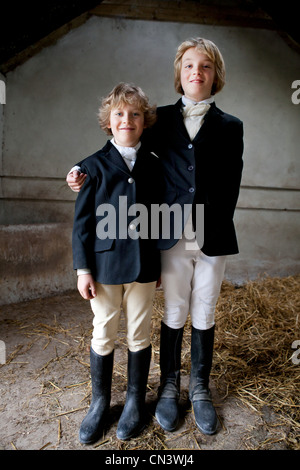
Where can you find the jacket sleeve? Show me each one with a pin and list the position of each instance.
(229, 174)
(235, 165)
(83, 235)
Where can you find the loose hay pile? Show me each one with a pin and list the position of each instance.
(256, 325)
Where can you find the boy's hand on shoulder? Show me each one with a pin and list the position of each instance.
(75, 180)
(86, 286)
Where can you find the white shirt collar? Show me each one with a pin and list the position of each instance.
(126, 151)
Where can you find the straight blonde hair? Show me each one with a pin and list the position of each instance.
(208, 48)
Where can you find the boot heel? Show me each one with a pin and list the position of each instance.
(204, 412)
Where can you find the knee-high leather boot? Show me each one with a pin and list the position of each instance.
(199, 393)
(93, 424)
(133, 417)
(167, 413)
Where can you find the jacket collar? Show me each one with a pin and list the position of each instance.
(114, 157)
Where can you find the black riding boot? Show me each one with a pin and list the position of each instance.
(133, 417)
(167, 413)
(93, 424)
(199, 393)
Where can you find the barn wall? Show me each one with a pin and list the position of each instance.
(50, 123)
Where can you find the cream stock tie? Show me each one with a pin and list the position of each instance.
(193, 116)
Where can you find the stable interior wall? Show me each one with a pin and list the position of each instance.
(50, 123)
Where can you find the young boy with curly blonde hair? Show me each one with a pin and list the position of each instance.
(117, 267)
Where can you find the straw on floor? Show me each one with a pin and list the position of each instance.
(257, 327)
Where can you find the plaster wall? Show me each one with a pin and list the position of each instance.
(50, 123)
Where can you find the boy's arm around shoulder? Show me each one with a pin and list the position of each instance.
(76, 177)
(75, 180)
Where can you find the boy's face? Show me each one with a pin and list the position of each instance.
(197, 75)
(126, 124)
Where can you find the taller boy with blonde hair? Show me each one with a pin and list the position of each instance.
(201, 149)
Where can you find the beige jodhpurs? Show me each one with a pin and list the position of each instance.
(137, 302)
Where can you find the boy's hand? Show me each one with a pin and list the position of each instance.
(75, 180)
(86, 286)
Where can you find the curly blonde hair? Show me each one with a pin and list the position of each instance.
(121, 94)
(207, 47)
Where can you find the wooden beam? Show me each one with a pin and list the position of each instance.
(30, 51)
(185, 11)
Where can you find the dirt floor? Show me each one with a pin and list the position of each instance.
(45, 389)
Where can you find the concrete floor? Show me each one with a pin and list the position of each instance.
(45, 389)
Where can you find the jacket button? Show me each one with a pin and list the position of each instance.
(130, 180)
(190, 146)
(191, 190)
(190, 168)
